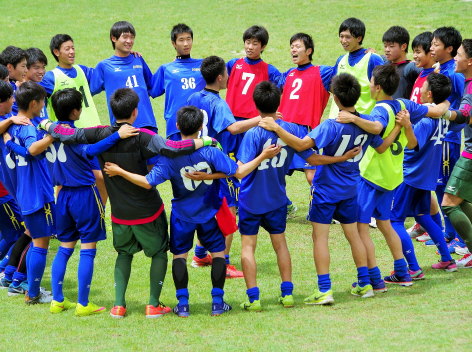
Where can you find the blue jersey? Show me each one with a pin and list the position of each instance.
(217, 117)
(14, 108)
(179, 80)
(263, 190)
(379, 113)
(194, 201)
(49, 81)
(6, 172)
(339, 181)
(33, 186)
(421, 165)
(458, 82)
(121, 72)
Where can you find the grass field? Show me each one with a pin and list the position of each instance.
(433, 315)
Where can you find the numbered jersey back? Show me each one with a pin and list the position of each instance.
(304, 97)
(241, 84)
(415, 92)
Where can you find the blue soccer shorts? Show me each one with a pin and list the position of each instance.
(373, 203)
(229, 188)
(410, 202)
(42, 223)
(323, 210)
(274, 222)
(182, 234)
(11, 222)
(80, 215)
(450, 154)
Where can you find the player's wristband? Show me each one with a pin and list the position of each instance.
(43, 123)
(447, 115)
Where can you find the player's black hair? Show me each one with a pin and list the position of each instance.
(12, 55)
(387, 77)
(123, 102)
(65, 101)
(346, 87)
(440, 87)
(211, 68)
(6, 91)
(119, 28)
(266, 96)
(423, 41)
(57, 41)
(179, 29)
(397, 34)
(257, 32)
(35, 55)
(355, 26)
(467, 44)
(307, 41)
(27, 92)
(449, 36)
(4, 73)
(189, 119)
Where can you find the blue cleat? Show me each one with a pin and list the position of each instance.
(4, 283)
(218, 309)
(182, 311)
(403, 281)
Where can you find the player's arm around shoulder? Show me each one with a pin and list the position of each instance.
(113, 170)
(299, 144)
(371, 126)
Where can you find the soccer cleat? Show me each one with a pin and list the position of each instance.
(89, 309)
(4, 283)
(431, 242)
(57, 307)
(320, 298)
(423, 238)
(373, 223)
(182, 310)
(15, 290)
(415, 231)
(254, 306)
(218, 309)
(39, 298)
(378, 287)
(197, 262)
(449, 266)
(2, 275)
(462, 251)
(455, 243)
(402, 281)
(465, 262)
(416, 275)
(287, 301)
(291, 209)
(364, 292)
(232, 272)
(157, 312)
(118, 312)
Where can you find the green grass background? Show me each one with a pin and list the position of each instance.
(434, 314)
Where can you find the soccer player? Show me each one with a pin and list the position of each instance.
(138, 217)
(220, 124)
(263, 199)
(358, 62)
(4, 74)
(15, 60)
(178, 79)
(446, 42)
(420, 167)
(457, 199)
(34, 191)
(334, 189)
(382, 173)
(195, 204)
(396, 41)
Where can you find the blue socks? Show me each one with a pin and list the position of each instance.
(85, 273)
(36, 266)
(363, 278)
(182, 296)
(18, 278)
(5, 260)
(9, 271)
(375, 275)
(400, 268)
(253, 294)
(200, 252)
(324, 283)
(287, 288)
(407, 245)
(436, 218)
(436, 235)
(217, 294)
(58, 271)
(227, 259)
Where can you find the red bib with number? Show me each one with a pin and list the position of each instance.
(241, 84)
(415, 92)
(304, 98)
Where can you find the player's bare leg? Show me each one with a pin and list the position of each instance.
(283, 256)
(248, 260)
(101, 185)
(358, 249)
(393, 240)
(320, 247)
(309, 174)
(363, 230)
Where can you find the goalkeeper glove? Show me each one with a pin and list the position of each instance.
(43, 123)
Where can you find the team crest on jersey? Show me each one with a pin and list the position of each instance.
(175, 71)
(239, 67)
(64, 83)
(291, 74)
(137, 66)
(196, 69)
(117, 69)
(342, 66)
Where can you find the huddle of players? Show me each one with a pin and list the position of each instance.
(362, 87)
